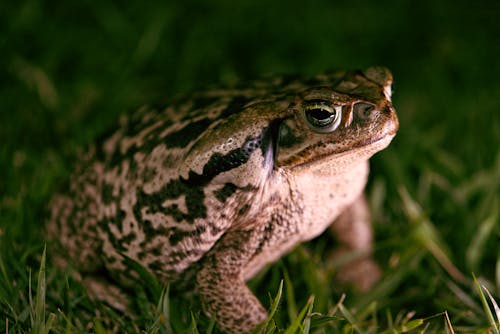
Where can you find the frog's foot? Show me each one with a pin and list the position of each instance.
(97, 287)
(230, 303)
(104, 291)
(353, 229)
(223, 291)
(354, 269)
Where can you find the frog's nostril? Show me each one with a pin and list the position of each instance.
(392, 123)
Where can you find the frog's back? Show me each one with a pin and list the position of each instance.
(127, 195)
(132, 195)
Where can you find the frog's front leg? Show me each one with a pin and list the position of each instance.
(353, 230)
(222, 287)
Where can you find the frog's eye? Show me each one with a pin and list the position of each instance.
(321, 116)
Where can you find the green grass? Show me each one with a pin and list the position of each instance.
(67, 71)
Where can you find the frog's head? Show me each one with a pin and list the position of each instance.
(347, 117)
(337, 118)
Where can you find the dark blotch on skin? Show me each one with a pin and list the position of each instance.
(128, 238)
(104, 225)
(202, 102)
(187, 134)
(243, 209)
(118, 219)
(107, 193)
(138, 121)
(286, 137)
(219, 163)
(235, 106)
(156, 266)
(192, 188)
(287, 79)
(178, 235)
(174, 189)
(225, 192)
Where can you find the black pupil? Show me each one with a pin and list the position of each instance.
(320, 117)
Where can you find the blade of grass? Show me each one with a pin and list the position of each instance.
(272, 311)
(410, 325)
(69, 326)
(164, 310)
(476, 248)
(296, 324)
(5, 279)
(49, 323)
(99, 328)
(495, 306)
(392, 279)
(447, 324)
(290, 297)
(463, 296)
(307, 319)
(497, 272)
(349, 317)
(193, 329)
(30, 299)
(334, 309)
(150, 281)
(390, 321)
(39, 325)
(39, 315)
(211, 326)
(486, 307)
(403, 323)
(428, 236)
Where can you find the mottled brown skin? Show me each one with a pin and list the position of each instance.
(210, 189)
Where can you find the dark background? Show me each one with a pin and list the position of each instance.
(69, 69)
(70, 65)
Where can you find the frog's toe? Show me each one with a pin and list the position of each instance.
(103, 291)
(362, 274)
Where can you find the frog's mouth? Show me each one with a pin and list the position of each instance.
(359, 152)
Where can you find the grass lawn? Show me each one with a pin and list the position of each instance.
(68, 70)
